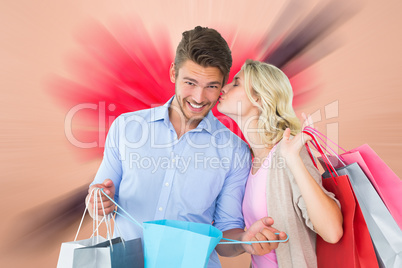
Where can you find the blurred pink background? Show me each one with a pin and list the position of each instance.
(353, 93)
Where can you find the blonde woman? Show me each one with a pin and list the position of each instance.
(283, 182)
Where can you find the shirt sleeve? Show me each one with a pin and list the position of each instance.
(228, 213)
(111, 166)
(315, 173)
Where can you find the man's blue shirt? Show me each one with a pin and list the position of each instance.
(200, 177)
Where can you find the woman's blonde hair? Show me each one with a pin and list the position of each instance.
(274, 96)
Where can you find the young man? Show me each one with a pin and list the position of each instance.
(177, 161)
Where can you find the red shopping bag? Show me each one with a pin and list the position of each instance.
(355, 248)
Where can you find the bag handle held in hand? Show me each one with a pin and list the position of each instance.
(95, 220)
(319, 148)
(313, 130)
(318, 134)
(321, 136)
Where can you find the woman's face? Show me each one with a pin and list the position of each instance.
(234, 101)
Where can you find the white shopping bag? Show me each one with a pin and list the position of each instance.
(66, 255)
(67, 250)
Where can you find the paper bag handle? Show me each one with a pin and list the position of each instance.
(319, 148)
(231, 241)
(95, 222)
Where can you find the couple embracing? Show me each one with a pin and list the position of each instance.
(251, 199)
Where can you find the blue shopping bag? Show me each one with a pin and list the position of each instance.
(170, 243)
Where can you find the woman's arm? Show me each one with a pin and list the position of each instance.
(323, 211)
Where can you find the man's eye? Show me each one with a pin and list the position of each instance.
(189, 83)
(213, 86)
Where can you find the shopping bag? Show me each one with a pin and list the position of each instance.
(170, 243)
(66, 254)
(67, 250)
(355, 248)
(384, 180)
(385, 233)
(387, 184)
(173, 243)
(98, 251)
(115, 253)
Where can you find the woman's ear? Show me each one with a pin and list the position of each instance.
(255, 96)
(172, 73)
(257, 100)
(257, 104)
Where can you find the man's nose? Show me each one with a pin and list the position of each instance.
(199, 95)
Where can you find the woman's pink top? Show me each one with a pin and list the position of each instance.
(255, 208)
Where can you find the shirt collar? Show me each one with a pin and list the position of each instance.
(161, 112)
(208, 123)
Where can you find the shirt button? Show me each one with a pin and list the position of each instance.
(173, 160)
(160, 209)
(167, 184)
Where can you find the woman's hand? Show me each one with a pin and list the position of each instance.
(290, 148)
(262, 230)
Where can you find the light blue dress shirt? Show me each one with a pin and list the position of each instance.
(200, 177)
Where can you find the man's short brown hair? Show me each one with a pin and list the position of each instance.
(205, 47)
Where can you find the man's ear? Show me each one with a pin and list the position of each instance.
(172, 73)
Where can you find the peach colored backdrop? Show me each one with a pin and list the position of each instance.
(360, 84)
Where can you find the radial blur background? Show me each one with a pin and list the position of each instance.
(343, 58)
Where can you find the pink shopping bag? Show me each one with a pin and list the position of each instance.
(384, 180)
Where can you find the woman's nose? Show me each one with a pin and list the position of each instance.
(225, 89)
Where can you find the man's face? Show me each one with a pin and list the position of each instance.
(197, 89)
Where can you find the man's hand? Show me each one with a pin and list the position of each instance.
(262, 231)
(110, 190)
